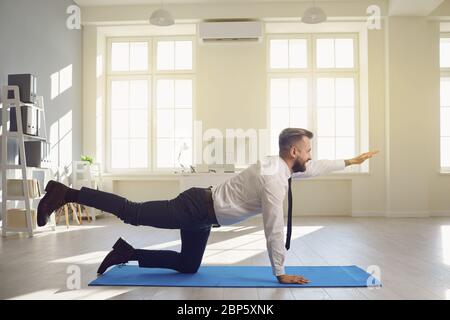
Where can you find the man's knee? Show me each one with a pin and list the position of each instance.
(189, 268)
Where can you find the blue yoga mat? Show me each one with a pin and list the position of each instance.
(235, 277)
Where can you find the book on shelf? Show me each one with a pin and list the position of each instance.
(17, 218)
(15, 188)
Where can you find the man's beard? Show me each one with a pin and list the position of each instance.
(298, 166)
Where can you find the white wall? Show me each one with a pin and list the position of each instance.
(403, 100)
(414, 117)
(34, 39)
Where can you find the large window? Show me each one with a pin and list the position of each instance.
(313, 83)
(445, 102)
(150, 103)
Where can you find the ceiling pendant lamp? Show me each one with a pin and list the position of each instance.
(314, 15)
(161, 17)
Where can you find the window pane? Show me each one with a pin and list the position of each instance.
(274, 148)
(445, 122)
(119, 124)
(139, 94)
(138, 153)
(299, 118)
(345, 148)
(183, 55)
(165, 94)
(138, 56)
(325, 122)
(445, 53)
(165, 123)
(325, 53)
(279, 93)
(183, 123)
(298, 54)
(298, 92)
(185, 147)
(445, 92)
(119, 153)
(183, 93)
(279, 119)
(165, 153)
(138, 123)
(279, 54)
(119, 94)
(325, 92)
(445, 152)
(345, 122)
(345, 92)
(344, 53)
(325, 148)
(165, 55)
(120, 56)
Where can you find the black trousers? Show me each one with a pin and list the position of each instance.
(187, 212)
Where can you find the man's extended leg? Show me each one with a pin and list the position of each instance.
(160, 214)
(187, 210)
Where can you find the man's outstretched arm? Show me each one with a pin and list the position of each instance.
(316, 168)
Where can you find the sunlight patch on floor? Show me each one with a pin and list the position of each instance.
(87, 258)
(82, 294)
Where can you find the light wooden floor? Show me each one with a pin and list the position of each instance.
(412, 254)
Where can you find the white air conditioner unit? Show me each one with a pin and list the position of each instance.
(230, 31)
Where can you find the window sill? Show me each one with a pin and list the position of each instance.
(175, 176)
(339, 176)
(160, 176)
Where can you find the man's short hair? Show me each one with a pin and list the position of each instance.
(289, 136)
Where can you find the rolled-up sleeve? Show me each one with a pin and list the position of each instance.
(319, 167)
(273, 196)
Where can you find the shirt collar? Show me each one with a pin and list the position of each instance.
(285, 168)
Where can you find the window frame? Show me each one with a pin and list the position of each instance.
(155, 70)
(444, 73)
(289, 75)
(150, 75)
(309, 58)
(312, 73)
(109, 42)
(447, 36)
(154, 118)
(108, 125)
(357, 112)
(343, 35)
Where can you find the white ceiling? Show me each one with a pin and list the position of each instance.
(137, 2)
(413, 7)
(396, 7)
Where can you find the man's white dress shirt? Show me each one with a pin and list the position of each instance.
(262, 188)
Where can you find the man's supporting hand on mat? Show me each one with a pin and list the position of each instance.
(286, 278)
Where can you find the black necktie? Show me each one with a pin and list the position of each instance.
(289, 224)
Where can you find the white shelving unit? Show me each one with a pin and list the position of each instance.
(5, 166)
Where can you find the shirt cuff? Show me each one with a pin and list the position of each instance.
(278, 271)
(339, 165)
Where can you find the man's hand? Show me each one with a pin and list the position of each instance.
(361, 158)
(285, 278)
